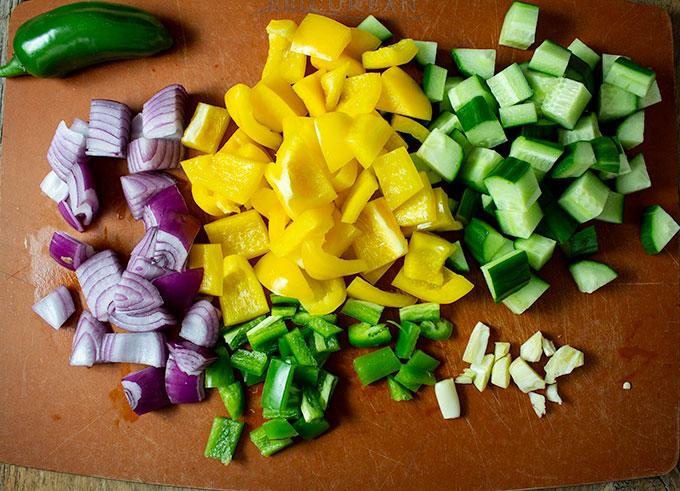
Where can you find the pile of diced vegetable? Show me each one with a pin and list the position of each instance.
(332, 179)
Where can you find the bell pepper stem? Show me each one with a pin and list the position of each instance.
(13, 69)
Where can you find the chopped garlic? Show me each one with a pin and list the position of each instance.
(447, 398)
(501, 348)
(524, 376)
(467, 377)
(627, 386)
(476, 346)
(538, 403)
(548, 347)
(562, 362)
(532, 348)
(500, 373)
(552, 395)
(482, 372)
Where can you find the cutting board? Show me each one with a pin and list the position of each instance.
(76, 419)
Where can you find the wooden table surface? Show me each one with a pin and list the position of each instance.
(18, 477)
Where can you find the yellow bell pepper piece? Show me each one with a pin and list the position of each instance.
(195, 167)
(360, 94)
(367, 137)
(267, 204)
(253, 152)
(270, 108)
(402, 95)
(311, 92)
(322, 265)
(402, 124)
(280, 59)
(331, 83)
(305, 128)
(237, 139)
(453, 288)
(328, 296)
(358, 196)
(242, 296)
(346, 176)
(361, 41)
(398, 177)
(208, 257)
(363, 290)
(206, 129)
(421, 208)
(331, 130)
(381, 240)
(425, 258)
(244, 234)
(444, 221)
(212, 203)
(237, 101)
(395, 142)
(321, 37)
(339, 238)
(373, 276)
(395, 54)
(233, 176)
(283, 89)
(354, 66)
(282, 276)
(311, 221)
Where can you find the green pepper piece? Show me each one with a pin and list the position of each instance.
(364, 335)
(319, 344)
(220, 373)
(266, 446)
(323, 327)
(251, 379)
(420, 312)
(277, 384)
(278, 429)
(284, 347)
(299, 348)
(305, 375)
(280, 299)
(362, 310)
(235, 336)
(397, 391)
(286, 413)
(422, 361)
(266, 331)
(303, 317)
(376, 365)
(439, 329)
(406, 341)
(284, 311)
(412, 378)
(234, 399)
(311, 429)
(326, 383)
(253, 362)
(224, 437)
(311, 404)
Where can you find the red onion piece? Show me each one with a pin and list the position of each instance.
(109, 128)
(56, 307)
(146, 348)
(168, 199)
(190, 358)
(80, 126)
(147, 244)
(137, 126)
(145, 390)
(68, 215)
(201, 324)
(98, 278)
(179, 289)
(54, 187)
(164, 113)
(181, 387)
(176, 234)
(87, 341)
(153, 320)
(135, 295)
(82, 196)
(139, 188)
(67, 148)
(69, 252)
(146, 268)
(147, 154)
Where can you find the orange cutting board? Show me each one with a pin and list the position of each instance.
(76, 420)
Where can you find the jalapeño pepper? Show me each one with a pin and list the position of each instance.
(81, 34)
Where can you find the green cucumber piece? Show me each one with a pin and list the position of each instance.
(482, 240)
(636, 180)
(607, 157)
(550, 58)
(565, 103)
(584, 52)
(471, 61)
(653, 96)
(613, 209)
(375, 27)
(479, 163)
(578, 157)
(525, 297)
(657, 228)
(513, 185)
(615, 103)
(631, 131)
(539, 249)
(509, 86)
(518, 223)
(480, 124)
(427, 52)
(442, 153)
(475, 86)
(507, 274)
(582, 243)
(587, 128)
(585, 198)
(519, 26)
(630, 76)
(456, 261)
(591, 275)
(447, 122)
(434, 82)
(541, 154)
(518, 115)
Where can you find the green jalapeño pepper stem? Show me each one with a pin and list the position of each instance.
(80, 34)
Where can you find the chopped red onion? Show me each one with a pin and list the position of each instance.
(98, 278)
(179, 289)
(181, 387)
(168, 199)
(145, 390)
(147, 154)
(146, 268)
(176, 234)
(136, 295)
(137, 126)
(67, 213)
(67, 148)
(56, 307)
(109, 128)
(80, 126)
(147, 244)
(54, 187)
(153, 320)
(201, 324)
(82, 196)
(69, 252)
(190, 358)
(140, 187)
(146, 348)
(164, 113)
(87, 341)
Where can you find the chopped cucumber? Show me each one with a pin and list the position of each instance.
(550, 58)
(565, 103)
(434, 82)
(584, 52)
(653, 96)
(585, 198)
(526, 296)
(587, 128)
(471, 61)
(519, 26)
(630, 76)
(519, 223)
(482, 240)
(480, 124)
(509, 86)
(518, 115)
(477, 165)
(606, 155)
(615, 103)
(613, 209)
(578, 157)
(539, 249)
(469, 205)
(375, 27)
(427, 52)
(631, 130)
(541, 154)
(456, 261)
(446, 121)
(507, 274)
(513, 185)
(441, 153)
(463, 92)
(556, 224)
(657, 228)
(591, 275)
(582, 243)
(636, 180)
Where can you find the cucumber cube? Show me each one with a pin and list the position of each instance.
(442, 153)
(471, 61)
(507, 274)
(637, 179)
(657, 228)
(519, 26)
(565, 102)
(519, 223)
(477, 165)
(591, 275)
(427, 52)
(550, 58)
(513, 185)
(526, 296)
(509, 86)
(480, 124)
(518, 115)
(539, 249)
(585, 198)
(630, 76)
(584, 52)
(578, 157)
(375, 27)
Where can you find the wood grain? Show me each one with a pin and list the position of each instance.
(18, 477)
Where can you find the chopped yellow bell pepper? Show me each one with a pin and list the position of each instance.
(305, 128)
(237, 139)
(421, 208)
(311, 221)
(270, 108)
(402, 124)
(237, 101)
(444, 221)
(208, 257)
(381, 239)
(373, 276)
(395, 54)
(311, 92)
(195, 167)
(363, 290)
(360, 94)
(346, 176)
(321, 37)
(254, 152)
(395, 142)
(331, 83)
(360, 194)
(233, 176)
(328, 296)
(453, 288)
(206, 129)
(267, 204)
(339, 238)
(282, 276)
(402, 95)
(398, 177)
(331, 130)
(244, 234)
(425, 258)
(354, 66)
(280, 59)
(367, 137)
(242, 296)
(212, 203)
(322, 265)
(361, 41)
